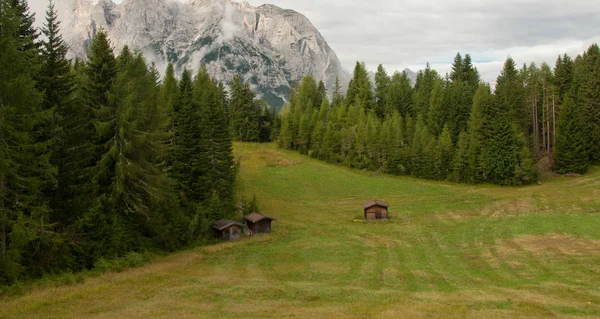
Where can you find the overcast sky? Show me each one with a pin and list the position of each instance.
(409, 33)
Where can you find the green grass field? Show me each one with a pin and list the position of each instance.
(450, 251)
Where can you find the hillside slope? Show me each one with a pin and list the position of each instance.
(450, 251)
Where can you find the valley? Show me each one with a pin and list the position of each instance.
(449, 250)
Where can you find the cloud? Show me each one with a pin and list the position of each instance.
(229, 27)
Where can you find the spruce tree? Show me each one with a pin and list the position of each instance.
(436, 117)
(382, 82)
(499, 154)
(571, 155)
(460, 163)
(27, 32)
(509, 91)
(215, 158)
(445, 154)
(399, 95)
(589, 96)
(244, 112)
(330, 149)
(23, 162)
(422, 91)
(563, 72)
(481, 104)
(360, 89)
(186, 149)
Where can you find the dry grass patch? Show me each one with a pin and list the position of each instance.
(266, 157)
(539, 245)
(378, 241)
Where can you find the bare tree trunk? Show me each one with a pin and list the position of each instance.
(548, 127)
(535, 139)
(553, 121)
(3, 210)
(3, 220)
(543, 116)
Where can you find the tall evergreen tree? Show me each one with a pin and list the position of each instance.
(436, 117)
(572, 151)
(23, 164)
(499, 149)
(27, 32)
(382, 82)
(399, 95)
(244, 112)
(589, 96)
(422, 92)
(186, 142)
(215, 157)
(509, 91)
(360, 89)
(563, 72)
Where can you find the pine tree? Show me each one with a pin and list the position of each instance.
(27, 33)
(187, 144)
(509, 91)
(330, 149)
(589, 96)
(317, 139)
(481, 103)
(499, 154)
(286, 134)
(22, 161)
(571, 154)
(563, 72)
(436, 116)
(422, 92)
(382, 82)
(215, 158)
(304, 132)
(244, 113)
(399, 95)
(338, 97)
(445, 154)
(265, 122)
(460, 163)
(360, 89)
(419, 147)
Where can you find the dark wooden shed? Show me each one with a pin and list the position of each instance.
(258, 223)
(228, 230)
(376, 210)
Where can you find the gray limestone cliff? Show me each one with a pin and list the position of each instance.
(268, 46)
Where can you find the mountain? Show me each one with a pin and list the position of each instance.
(269, 46)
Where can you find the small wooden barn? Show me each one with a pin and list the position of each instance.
(258, 223)
(228, 230)
(376, 210)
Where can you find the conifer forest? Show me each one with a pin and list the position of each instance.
(105, 156)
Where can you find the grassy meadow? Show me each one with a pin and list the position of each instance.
(450, 251)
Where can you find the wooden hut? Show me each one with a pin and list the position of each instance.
(258, 223)
(376, 210)
(228, 230)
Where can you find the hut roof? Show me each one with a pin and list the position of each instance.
(256, 217)
(375, 203)
(225, 223)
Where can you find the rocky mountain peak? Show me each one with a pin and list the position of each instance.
(269, 46)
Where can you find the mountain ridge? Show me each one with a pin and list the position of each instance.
(268, 46)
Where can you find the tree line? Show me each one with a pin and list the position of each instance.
(455, 127)
(99, 158)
